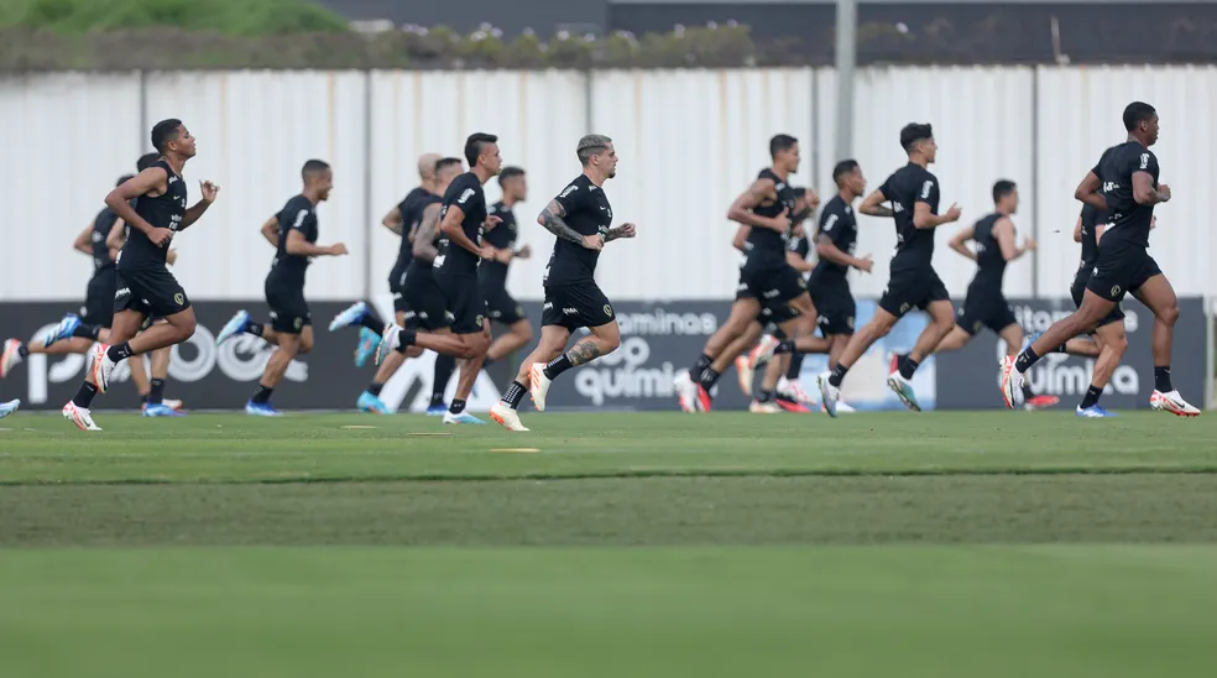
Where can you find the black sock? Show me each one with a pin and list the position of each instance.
(1092, 397)
(375, 389)
(557, 366)
(262, 397)
(1025, 360)
(784, 347)
(84, 397)
(457, 406)
(255, 329)
(515, 393)
(373, 323)
(487, 362)
(1028, 394)
(445, 365)
(407, 338)
(157, 394)
(23, 351)
(796, 367)
(765, 397)
(87, 332)
(709, 378)
(1058, 349)
(838, 375)
(119, 352)
(1162, 379)
(700, 366)
(907, 367)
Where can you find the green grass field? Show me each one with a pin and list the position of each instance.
(940, 544)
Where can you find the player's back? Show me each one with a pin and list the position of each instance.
(838, 223)
(102, 225)
(161, 211)
(419, 267)
(1128, 221)
(465, 192)
(905, 188)
(766, 248)
(990, 262)
(298, 214)
(411, 211)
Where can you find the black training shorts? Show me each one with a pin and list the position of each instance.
(1078, 290)
(836, 308)
(289, 312)
(912, 288)
(150, 291)
(501, 306)
(1121, 270)
(985, 308)
(99, 299)
(424, 304)
(575, 306)
(464, 301)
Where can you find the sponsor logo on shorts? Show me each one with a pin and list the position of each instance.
(124, 292)
(179, 299)
(850, 321)
(769, 294)
(570, 311)
(298, 323)
(608, 310)
(1115, 290)
(904, 308)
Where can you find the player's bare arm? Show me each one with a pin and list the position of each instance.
(740, 241)
(270, 231)
(741, 210)
(82, 242)
(154, 181)
(827, 249)
(1143, 190)
(959, 242)
(115, 238)
(424, 236)
(798, 263)
(451, 228)
(195, 211)
(622, 231)
(299, 247)
(551, 219)
(873, 205)
(1088, 192)
(924, 219)
(1077, 230)
(393, 221)
(1003, 231)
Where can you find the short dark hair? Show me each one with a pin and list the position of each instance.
(146, 160)
(164, 132)
(914, 132)
(799, 191)
(781, 142)
(589, 145)
(474, 145)
(445, 163)
(123, 179)
(313, 167)
(1002, 188)
(844, 167)
(1136, 113)
(508, 173)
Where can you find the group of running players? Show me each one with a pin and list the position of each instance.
(449, 280)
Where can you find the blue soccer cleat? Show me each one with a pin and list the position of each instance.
(238, 324)
(261, 410)
(62, 331)
(903, 390)
(1094, 412)
(372, 404)
(161, 410)
(462, 418)
(368, 341)
(437, 410)
(9, 407)
(350, 317)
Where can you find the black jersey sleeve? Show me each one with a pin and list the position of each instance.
(1146, 162)
(928, 193)
(833, 226)
(573, 198)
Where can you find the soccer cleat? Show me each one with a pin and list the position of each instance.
(1011, 383)
(161, 410)
(261, 410)
(9, 407)
(437, 410)
(350, 317)
(745, 373)
(506, 417)
(1040, 402)
(904, 390)
(367, 346)
(371, 404)
(686, 391)
(538, 386)
(79, 416)
(895, 366)
(829, 394)
(758, 407)
(843, 408)
(462, 418)
(63, 330)
(233, 327)
(792, 406)
(1094, 412)
(791, 390)
(101, 367)
(388, 342)
(1172, 402)
(172, 404)
(704, 401)
(763, 351)
(10, 358)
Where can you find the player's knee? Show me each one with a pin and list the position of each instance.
(1169, 314)
(185, 328)
(306, 346)
(609, 344)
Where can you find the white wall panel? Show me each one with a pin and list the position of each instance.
(1080, 111)
(538, 116)
(255, 130)
(690, 142)
(66, 138)
(982, 123)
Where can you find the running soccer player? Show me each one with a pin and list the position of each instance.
(580, 216)
(492, 274)
(913, 193)
(1124, 183)
(293, 233)
(145, 286)
(462, 220)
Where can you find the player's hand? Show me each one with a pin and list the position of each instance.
(338, 249)
(953, 213)
(1153, 223)
(1029, 244)
(1165, 192)
(503, 256)
(171, 257)
(160, 236)
(782, 221)
(593, 242)
(210, 191)
(865, 264)
(813, 199)
(491, 222)
(627, 231)
(487, 252)
(524, 253)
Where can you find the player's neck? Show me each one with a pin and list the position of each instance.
(847, 195)
(781, 173)
(310, 196)
(919, 160)
(430, 186)
(176, 162)
(508, 201)
(1002, 211)
(1139, 140)
(595, 176)
(481, 173)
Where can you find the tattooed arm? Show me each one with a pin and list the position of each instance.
(551, 219)
(623, 231)
(424, 236)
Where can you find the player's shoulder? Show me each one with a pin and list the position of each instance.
(837, 205)
(297, 203)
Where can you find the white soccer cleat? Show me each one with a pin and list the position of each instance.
(538, 385)
(10, 358)
(903, 390)
(1011, 383)
(9, 407)
(745, 373)
(234, 326)
(843, 408)
(79, 416)
(758, 407)
(829, 394)
(1172, 402)
(350, 317)
(506, 417)
(763, 351)
(791, 390)
(102, 367)
(388, 342)
(686, 391)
